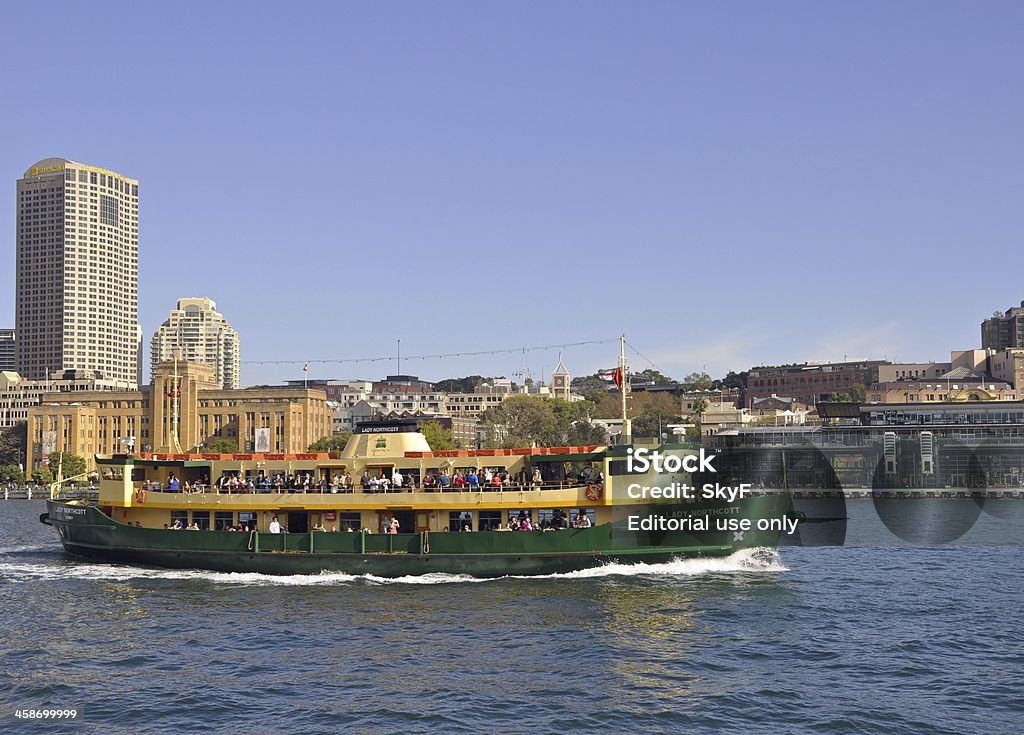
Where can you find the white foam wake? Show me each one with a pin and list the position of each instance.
(744, 561)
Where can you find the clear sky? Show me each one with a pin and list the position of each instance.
(727, 183)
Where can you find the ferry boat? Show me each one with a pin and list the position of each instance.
(390, 506)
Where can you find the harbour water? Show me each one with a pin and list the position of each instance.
(912, 625)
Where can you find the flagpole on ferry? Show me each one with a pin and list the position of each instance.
(175, 396)
(627, 426)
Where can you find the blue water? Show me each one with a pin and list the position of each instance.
(881, 635)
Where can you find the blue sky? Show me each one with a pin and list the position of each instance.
(727, 183)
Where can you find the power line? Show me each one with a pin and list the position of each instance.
(639, 353)
(437, 356)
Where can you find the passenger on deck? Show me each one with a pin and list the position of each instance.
(537, 480)
(394, 526)
(172, 483)
(444, 481)
(364, 481)
(460, 481)
(177, 525)
(318, 527)
(373, 485)
(473, 480)
(429, 482)
(275, 526)
(193, 526)
(496, 482)
(581, 520)
(397, 479)
(525, 524)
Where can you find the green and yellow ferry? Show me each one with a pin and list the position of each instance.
(390, 506)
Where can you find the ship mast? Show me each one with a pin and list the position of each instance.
(627, 425)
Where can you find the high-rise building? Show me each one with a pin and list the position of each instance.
(7, 347)
(1003, 331)
(204, 336)
(77, 291)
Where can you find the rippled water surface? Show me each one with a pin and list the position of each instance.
(889, 635)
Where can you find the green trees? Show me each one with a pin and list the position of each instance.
(13, 443)
(71, 464)
(334, 443)
(461, 385)
(221, 446)
(526, 421)
(439, 437)
(12, 473)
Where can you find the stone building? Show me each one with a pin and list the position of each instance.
(180, 412)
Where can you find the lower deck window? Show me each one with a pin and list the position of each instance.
(349, 522)
(223, 519)
(490, 520)
(202, 519)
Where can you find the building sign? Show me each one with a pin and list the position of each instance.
(40, 170)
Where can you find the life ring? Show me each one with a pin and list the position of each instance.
(140, 495)
(593, 492)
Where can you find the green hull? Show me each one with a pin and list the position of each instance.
(86, 532)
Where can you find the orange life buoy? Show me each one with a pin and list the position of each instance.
(593, 492)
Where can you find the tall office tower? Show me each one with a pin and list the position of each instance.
(7, 347)
(1005, 330)
(77, 291)
(204, 335)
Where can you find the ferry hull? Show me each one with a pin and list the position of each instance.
(88, 533)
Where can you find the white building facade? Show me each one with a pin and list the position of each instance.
(204, 336)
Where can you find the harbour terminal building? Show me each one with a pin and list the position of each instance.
(182, 410)
(932, 447)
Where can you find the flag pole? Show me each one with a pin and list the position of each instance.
(627, 426)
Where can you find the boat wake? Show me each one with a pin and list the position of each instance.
(744, 561)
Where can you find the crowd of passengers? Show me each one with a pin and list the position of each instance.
(436, 480)
(559, 520)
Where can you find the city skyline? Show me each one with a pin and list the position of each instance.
(726, 189)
